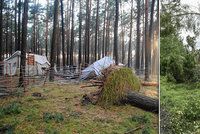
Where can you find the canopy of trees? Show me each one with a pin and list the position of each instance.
(179, 59)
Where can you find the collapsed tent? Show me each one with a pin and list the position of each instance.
(96, 67)
(35, 64)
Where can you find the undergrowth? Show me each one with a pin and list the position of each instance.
(180, 102)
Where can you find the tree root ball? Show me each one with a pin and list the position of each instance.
(116, 84)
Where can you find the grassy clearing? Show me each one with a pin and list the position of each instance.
(180, 109)
(59, 111)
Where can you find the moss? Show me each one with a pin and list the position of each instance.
(117, 84)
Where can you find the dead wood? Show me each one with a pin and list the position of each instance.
(145, 83)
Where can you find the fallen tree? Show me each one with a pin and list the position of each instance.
(119, 86)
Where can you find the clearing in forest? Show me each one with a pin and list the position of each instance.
(56, 108)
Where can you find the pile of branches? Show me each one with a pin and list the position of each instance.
(128, 95)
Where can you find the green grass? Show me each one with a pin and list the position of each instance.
(181, 104)
(59, 112)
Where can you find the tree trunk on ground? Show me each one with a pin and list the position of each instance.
(116, 32)
(63, 35)
(132, 98)
(72, 37)
(53, 41)
(137, 56)
(24, 44)
(142, 101)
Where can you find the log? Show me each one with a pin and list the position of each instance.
(93, 85)
(132, 98)
(145, 83)
(141, 101)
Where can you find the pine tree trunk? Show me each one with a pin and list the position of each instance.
(116, 32)
(53, 42)
(47, 30)
(122, 36)
(130, 37)
(143, 41)
(11, 36)
(104, 24)
(80, 32)
(151, 32)
(146, 42)
(7, 34)
(24, 44)
(137, 56)
(72, 37)
(16, 38)
(19, 26)
(58, 46)
(68, 30)
(96, 31)
(107, 38)
(87, 32)
(1, 34)
(63, 35)
(34, 30)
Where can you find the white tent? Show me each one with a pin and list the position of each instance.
(97, 67)
(34, 66)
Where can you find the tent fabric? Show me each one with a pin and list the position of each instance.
(97, 67)
(11, 64)
(41, 59)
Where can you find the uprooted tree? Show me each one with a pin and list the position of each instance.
(118, 85)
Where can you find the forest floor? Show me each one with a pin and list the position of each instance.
(59, 111)
(179, 107)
